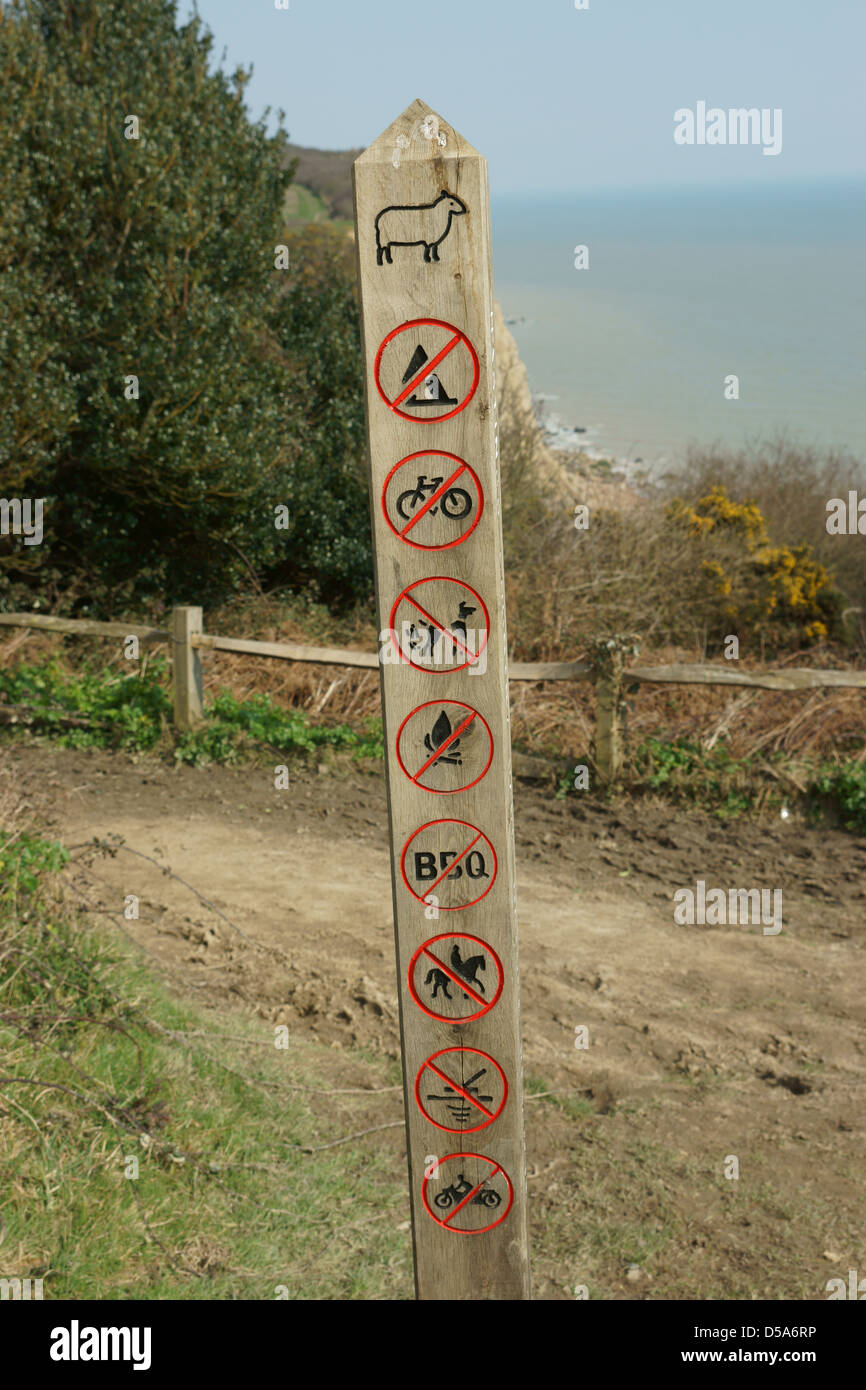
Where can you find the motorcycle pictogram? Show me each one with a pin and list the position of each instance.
(456, 1191)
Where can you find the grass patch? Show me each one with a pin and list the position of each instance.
(683, 771)
(134, 712)
(146, 1161)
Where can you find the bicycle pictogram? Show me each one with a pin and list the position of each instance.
(455, 502)
(432, 500)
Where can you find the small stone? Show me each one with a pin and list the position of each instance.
(634, 1272)
(832, 1256)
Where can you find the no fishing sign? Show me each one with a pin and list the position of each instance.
(422, 223)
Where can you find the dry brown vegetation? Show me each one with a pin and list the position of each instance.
(631, 571)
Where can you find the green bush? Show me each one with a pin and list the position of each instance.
(154, 258)
(844, 786)
(134, 712)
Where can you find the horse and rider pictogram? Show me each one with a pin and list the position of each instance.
(455, 977)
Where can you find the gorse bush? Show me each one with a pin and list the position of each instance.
(778, 593)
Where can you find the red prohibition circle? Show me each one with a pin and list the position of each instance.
(455, 1230)
(461, 338)
(395, 640)
(425, 949)
(464, 466)
(449, 869)
(450, 1129)
(413, 777)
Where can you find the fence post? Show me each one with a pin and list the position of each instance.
(186, 622)
(608, 743)
(608, 661)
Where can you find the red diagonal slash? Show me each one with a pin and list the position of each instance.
(432, 500)
(446, 969)
(497, 1168)
(452, 866)
(446, 632)
(426, 370)
(441, 749)
(454, 1087)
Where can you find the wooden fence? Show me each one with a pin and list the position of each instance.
(610, 675)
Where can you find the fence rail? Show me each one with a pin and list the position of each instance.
(188, 640)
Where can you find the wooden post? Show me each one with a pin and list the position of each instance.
(186, 622)
(424, 267)
(607, 659)
(608, 740)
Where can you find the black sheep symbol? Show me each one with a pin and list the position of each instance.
(421, 224)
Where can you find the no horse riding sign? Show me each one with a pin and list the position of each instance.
(423, 248)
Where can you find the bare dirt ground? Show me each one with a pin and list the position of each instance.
(704, 1042)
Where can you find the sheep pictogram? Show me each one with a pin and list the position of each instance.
(425, 224)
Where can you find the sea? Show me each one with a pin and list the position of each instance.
(631, 358)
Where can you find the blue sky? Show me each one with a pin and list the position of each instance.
(561, 99)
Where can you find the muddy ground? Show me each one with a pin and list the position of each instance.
(704, 1042)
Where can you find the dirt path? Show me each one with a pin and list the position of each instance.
(704, 1042)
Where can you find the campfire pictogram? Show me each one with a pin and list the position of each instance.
(438, 735)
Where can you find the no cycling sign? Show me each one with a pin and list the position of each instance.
(432, 500)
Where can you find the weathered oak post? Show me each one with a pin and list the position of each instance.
(424, 267)
(186, 622)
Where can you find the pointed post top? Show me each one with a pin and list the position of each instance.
(418, 134)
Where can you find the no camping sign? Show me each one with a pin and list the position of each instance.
(413, 365)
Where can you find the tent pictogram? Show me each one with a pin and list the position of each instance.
(439, 624)
(432, 500)
(444, 746)
(460, 1089)
(450, 859)
(426, 370)
(455, 977)
(469, 1191)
